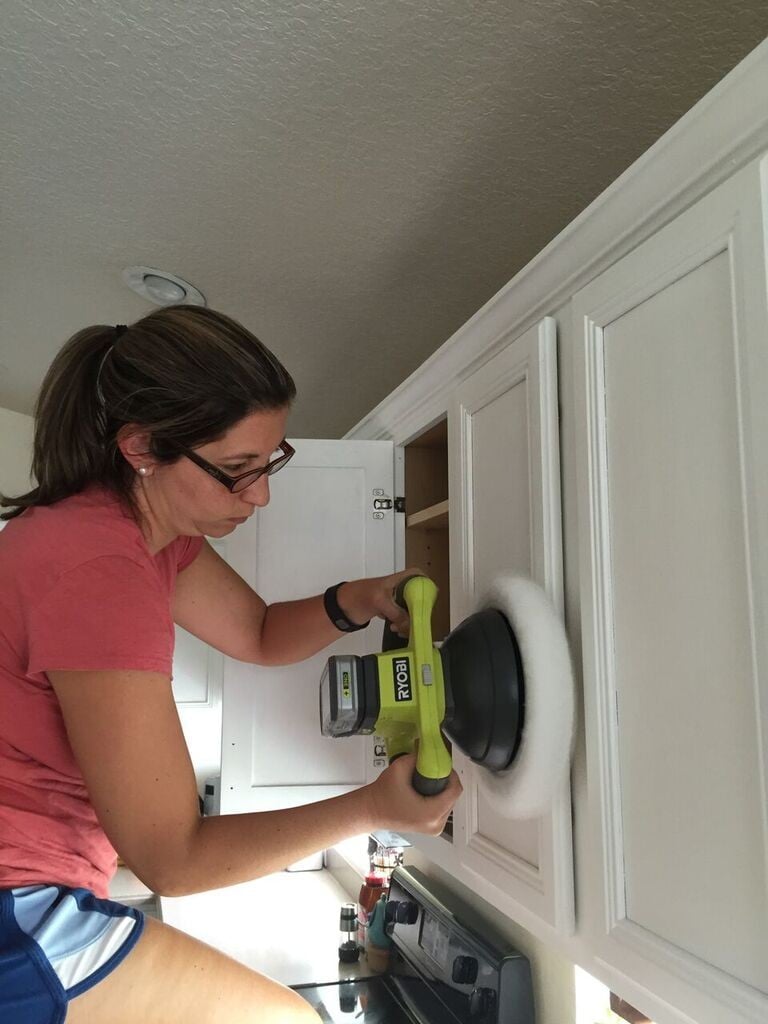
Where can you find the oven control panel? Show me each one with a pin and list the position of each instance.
(472, 970)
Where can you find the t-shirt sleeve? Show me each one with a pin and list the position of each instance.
(189, 549)
(107, 613)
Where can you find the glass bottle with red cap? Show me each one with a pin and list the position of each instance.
(370, 892)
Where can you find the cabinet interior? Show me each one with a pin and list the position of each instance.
(426, 522)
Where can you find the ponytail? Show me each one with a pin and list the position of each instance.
(68, 450)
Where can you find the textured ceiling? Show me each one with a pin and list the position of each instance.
(352, 181)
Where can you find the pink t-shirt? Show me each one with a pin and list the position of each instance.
(78, 590)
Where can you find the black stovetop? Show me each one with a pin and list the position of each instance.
(445, 969)
(365, 999)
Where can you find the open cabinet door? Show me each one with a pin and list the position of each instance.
(320, 527)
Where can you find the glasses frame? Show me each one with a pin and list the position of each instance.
(230, 482)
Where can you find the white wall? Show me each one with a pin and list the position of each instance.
(15, 452)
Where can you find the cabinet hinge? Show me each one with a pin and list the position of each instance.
(382, 505)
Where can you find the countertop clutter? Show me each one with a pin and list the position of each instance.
(285, 925)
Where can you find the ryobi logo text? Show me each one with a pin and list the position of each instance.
(402, 671)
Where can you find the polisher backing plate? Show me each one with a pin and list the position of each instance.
(484, 692)
(540, 768)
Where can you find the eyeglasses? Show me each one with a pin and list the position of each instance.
(281, 456)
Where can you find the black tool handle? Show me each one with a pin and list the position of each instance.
(428, 787)
(423, 785)
(392, 641)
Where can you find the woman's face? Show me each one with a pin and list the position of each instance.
(195, 502)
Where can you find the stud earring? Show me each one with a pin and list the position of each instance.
(143, 470)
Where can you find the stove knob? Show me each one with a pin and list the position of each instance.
(482, 1002)
(464, 970)
(407, 912)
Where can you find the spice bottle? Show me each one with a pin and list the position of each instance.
(379, 945)
(370, 891)
(349, 951)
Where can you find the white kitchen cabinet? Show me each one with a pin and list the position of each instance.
(659, 290)
(671, 398)
(320, 527)
(198, 669)
(496, 459)
(504, 461)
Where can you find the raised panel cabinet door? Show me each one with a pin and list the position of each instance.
(197, 683)
(505, 501)
(672, 437)
(319, 528)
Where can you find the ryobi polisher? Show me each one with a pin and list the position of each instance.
(500, 687)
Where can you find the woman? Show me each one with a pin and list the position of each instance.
(148, 439)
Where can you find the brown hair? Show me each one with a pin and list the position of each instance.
(186, 374)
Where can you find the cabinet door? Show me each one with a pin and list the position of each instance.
(505, 501)
(320, 527)
(197, 682)
(672, 437)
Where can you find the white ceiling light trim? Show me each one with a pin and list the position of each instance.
(162, 288)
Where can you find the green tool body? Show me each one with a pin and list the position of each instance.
(398, 694)
(469, 690)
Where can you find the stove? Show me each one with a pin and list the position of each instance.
(445, 969)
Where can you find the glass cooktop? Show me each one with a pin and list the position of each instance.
(368, 1000)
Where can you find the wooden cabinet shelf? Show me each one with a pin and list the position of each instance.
(433, 518)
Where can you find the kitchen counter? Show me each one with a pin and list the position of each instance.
(125, 887)
(285, 925)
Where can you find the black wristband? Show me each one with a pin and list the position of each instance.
(335, 614)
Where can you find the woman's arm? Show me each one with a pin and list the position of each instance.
(238, 847)
(217, 605)
(125, 733)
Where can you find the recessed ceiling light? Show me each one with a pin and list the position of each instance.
(162, 288)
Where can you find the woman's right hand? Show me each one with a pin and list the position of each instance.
(396, 805)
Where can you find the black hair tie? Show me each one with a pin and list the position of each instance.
(120, 329)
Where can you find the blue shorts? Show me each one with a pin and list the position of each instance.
(56, 943)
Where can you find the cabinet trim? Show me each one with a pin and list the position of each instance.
(715, 983)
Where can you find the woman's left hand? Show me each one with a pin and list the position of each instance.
(361, 600)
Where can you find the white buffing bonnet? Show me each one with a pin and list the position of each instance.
(541, 767)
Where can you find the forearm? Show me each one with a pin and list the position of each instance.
(295, 630)
(229, 849)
